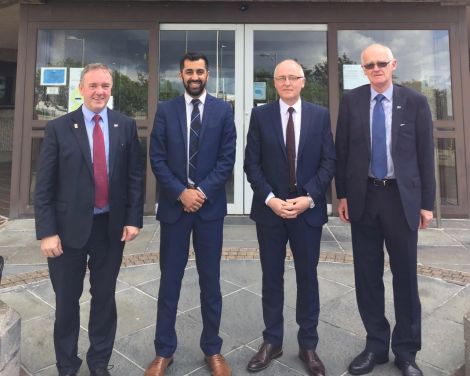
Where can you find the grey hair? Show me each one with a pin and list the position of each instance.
(95, 66)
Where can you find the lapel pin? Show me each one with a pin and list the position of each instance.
(399, 107)
(75, 126)
(116, 125)
(401, 125)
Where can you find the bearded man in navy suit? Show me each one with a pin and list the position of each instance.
(386, 188)
(192, 152)
(88, 203)
(289, 162)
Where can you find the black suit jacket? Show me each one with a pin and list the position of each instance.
(266, 164)
(64, 196)
(412, 151)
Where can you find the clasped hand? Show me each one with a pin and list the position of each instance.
(192, 200)
(290, 208)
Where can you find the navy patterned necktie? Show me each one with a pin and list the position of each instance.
(194, 138)
(379, 140)
(290, 149)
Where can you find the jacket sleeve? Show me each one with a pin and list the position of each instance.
(253, 161)
(135, 189)
(218, 176)
(320, 181)
(342, 148)
(45, 190)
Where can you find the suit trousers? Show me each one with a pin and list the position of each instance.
(67, 273)
(384, 222)
(304, 242)
(174, 251)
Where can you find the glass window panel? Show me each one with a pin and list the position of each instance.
(307, 47)
(219, 47)
(125, 51)
(35, 149)
(447, 171)
(423, 64)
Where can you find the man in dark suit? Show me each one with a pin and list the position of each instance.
(386, 187)
(289, 162)
(192, 152)
(88, 203)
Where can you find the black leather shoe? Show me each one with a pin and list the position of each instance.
(408, 367)
(365, 363)
(100, 372)
(313, 363)
(261, 360)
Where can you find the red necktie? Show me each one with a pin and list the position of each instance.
(99, 165)
(290, 149)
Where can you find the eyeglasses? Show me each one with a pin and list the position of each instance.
(380, 64)
(283, 79)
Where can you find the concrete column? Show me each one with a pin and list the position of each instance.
(10, 340)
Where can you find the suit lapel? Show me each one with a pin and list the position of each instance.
(113, 132)
(364, 109)
(277, 124)
(79, 130)
(181, 111)
(304, 124)
(206, 115)
(397, 114)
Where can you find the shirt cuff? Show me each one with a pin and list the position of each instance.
(270, 196)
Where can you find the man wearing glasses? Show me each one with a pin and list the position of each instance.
(386, 188)
(192, 152)
(289, 162)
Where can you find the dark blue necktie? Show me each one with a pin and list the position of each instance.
(194, 138)
(379, 140)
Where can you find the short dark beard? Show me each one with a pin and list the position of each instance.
(193, 92)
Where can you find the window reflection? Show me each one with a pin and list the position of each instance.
(124, 51)
(217, 45)
(423, 65)
(307, 47)
(447, 171)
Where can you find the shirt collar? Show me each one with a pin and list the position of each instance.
(388, 94)
(188, 98)
(88, 114)
(284, 106)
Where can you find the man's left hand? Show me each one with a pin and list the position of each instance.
(129, 233)
(425, 218)
(300, 204)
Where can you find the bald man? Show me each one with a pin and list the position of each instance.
(386, 188)
(289, 162)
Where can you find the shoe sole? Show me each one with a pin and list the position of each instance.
(277, 355)
(378, 362)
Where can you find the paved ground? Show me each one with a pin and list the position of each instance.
(444, 267)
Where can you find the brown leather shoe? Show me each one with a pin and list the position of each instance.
(263, 357)
(158, 366)
(313, 363)
(218, 365)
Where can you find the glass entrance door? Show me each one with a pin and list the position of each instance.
(241, 64)
(265, 47)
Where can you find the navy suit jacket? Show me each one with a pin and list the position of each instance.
(412, 151)
(216, 157)
(65, 190)
(267, 168)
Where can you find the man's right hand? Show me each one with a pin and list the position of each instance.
(343, 210)
(51, 246)
(282, 208)
(192, 200)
